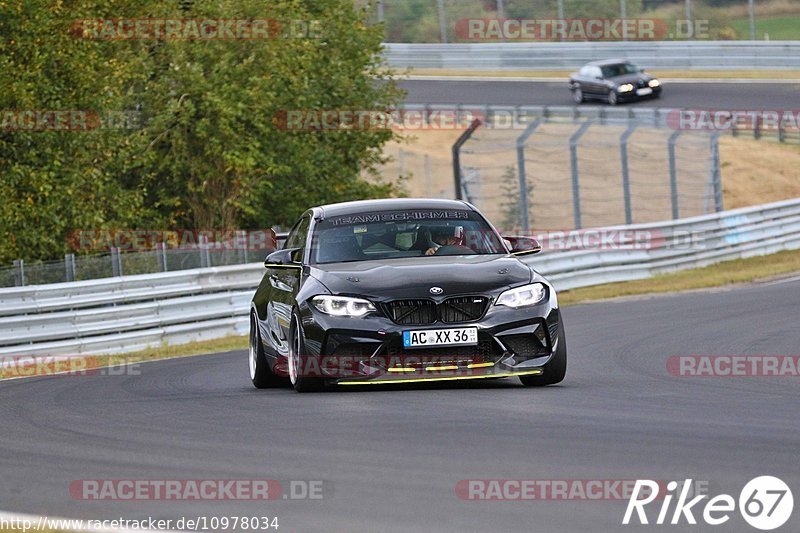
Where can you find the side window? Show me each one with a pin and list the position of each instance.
(585, 72)
(298, 234)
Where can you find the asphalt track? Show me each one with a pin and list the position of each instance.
(741, 96)
(390, 458)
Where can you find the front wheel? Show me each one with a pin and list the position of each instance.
(613, 99)
(260, 373)
(577, 95)
(300, 382)
(556, 368)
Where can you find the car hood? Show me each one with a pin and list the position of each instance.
(630, 78)
(414, 277)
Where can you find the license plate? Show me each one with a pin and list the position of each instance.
(644, 92)
(440, 337)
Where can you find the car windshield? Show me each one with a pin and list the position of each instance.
(400, 234)
(620, 69)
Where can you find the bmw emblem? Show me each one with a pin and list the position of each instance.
(436, 290)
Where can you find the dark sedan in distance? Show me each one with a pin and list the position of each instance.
(399, 291)
(613, 81)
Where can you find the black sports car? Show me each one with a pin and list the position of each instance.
(613, 81)
(395, 291)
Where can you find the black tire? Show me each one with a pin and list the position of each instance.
(577, 95)
(613, 99)
(260, 373)
(556, 368)
(296, 349)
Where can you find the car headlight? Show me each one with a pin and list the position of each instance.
(654, 83)
(342, 305)
(523, 296)
(625, 88)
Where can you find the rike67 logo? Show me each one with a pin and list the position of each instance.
(765, 503)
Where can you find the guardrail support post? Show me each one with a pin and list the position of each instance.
(457, 155)
(576, 188)
(626, 178)
(19, 275)
(69, 266)
(673, 174)
(523, 178)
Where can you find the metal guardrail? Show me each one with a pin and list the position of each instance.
(125, 314)
(706, 55)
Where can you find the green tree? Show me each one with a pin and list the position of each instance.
(209, 153)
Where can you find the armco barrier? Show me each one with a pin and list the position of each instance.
(705, 55)
(117, 315)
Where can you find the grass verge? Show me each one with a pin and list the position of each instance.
(718, 275)
(786, 28)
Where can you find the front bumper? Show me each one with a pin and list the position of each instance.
(349, 351)
(632, 96)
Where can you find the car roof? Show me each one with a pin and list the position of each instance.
(392, 204)
(604, 62)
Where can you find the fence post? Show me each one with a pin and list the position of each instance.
(457, 155)
(428, 178)
(161, 252)
(242, 243)
(523, 178)
(19, 275)
(626, 178)
(116, 262)
(716, 172)
(205, 258)
(576, 188)
(673, 174)
(69, 266)
(442, 22)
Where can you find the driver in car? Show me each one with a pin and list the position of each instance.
(443, 236)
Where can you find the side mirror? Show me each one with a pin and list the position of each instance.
(523, 245)
(641, 70)
(287, 258)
